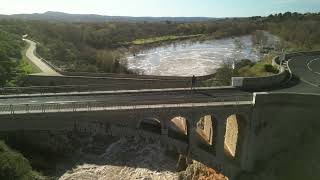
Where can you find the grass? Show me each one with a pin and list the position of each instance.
(26, 65)
(161, 39)
(258, 69)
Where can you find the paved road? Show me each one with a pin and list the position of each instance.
(45, 68)
(307, 68)
(125, 98)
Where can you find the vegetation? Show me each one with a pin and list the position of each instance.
(161, 39)
(243, 68)
(13, 166)
(258, 69)
(298, 31)
(10, 46)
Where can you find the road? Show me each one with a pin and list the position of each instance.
(136, 98)
(307, 69)
(45, 68)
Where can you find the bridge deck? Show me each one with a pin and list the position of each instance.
(132, 97)
(102, 106)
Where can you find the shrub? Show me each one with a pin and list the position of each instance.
(270, 68)
(13, 166)
(243, 63)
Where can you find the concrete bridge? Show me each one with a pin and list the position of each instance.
(205, 124)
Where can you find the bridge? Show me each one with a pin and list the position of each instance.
(227, 128)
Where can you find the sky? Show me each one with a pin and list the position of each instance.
(157, 8)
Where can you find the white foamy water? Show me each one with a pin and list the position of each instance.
(197, 58)
(125, 160)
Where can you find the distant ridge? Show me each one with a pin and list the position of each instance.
(65, 17)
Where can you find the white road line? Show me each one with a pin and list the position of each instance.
(315, 85)
(305, 81)
(308, 65)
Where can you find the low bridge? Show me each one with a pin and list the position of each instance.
(201, 123)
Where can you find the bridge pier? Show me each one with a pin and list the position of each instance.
(246, 145)
(221, 129)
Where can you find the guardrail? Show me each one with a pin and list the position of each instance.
(91, 88)
(51, 89)
(25, 108)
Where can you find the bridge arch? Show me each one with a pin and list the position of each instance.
(234, 135)
(206, 133)
(150, 124)
(179, 128)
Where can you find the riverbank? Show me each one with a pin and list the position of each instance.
(169, 38)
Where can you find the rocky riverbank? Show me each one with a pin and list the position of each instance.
(77, 156)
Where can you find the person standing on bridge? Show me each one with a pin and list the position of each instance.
(193, 81)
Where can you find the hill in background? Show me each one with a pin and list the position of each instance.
(65, 17)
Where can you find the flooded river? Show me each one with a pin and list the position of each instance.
(188, 58)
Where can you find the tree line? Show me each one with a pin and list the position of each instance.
(10, 55)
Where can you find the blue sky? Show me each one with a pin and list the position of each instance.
(206, 8)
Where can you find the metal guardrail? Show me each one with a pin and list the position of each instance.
(51, 89)
(105, 105)
(65, 89)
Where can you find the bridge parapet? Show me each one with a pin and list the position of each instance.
(96, 88)
(104, 106)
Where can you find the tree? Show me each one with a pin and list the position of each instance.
(7, 68)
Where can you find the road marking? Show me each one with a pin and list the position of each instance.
(308, 65)
(315, 85)
(305, 81)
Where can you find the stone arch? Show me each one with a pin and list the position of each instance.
(150, 124)
(206, 132)
(178, 128)
(234, 135)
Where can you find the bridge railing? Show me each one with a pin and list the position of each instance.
(23, 108)
(51, 89)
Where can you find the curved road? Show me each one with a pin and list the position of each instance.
(45, 68)
(307, 69)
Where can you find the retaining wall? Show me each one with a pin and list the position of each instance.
(109, 83)
(283, 121)
(113, 75)
(259, 83)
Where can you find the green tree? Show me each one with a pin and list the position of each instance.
(13, 166)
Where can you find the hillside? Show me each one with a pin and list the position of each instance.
(65, 17)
